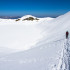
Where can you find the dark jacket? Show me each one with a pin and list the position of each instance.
(67, 34)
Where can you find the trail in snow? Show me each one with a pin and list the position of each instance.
(64, 62)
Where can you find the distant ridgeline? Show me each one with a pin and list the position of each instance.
(9, 17)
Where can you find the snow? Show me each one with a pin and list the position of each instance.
(64, 62)
(20, 35)
(27, 16)
(34, 59)
(41, 44)
(6, 51)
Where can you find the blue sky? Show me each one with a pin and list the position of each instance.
(34, 7)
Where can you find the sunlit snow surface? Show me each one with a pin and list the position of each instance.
(44, 40)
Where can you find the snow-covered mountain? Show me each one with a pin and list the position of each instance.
(45, 42)
(19, 35)
(32, 18)
(27, 16)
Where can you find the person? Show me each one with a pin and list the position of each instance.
(67, 34)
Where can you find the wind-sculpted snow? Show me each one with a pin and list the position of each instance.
(42, 57)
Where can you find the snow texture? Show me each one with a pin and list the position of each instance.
(40, 45)
(64, 63)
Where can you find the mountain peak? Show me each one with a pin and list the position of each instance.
(27, 16)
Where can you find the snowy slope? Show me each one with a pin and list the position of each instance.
(64, 61)
(6, 51)
(42, 57)
(21, 35)
(55, 29)
(46, 53)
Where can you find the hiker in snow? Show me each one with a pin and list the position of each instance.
(67, 34)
